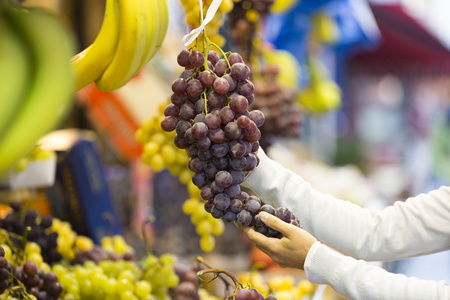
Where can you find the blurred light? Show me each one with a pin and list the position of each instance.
(390, 91)
(417, 8)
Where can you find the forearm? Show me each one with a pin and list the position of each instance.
(355, 279)
(396, 232)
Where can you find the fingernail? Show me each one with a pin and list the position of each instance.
(263, 216)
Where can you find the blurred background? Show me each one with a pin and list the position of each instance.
(370, 83)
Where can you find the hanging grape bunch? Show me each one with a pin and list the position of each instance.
(244, 21)
(209, 113)
(283, 115)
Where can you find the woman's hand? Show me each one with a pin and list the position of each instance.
(289, 251)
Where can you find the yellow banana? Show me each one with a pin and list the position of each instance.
(133, 19)
(164, 22)
(153, 29)
(50, 94)
(89, 64)
(15, 70)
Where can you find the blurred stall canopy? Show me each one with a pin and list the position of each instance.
(405, 43)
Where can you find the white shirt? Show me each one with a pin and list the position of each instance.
(417, 226)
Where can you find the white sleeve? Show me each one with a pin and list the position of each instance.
(355, 279)
(420, 225)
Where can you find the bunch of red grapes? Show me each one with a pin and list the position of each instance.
(278, 104)
(209, 112)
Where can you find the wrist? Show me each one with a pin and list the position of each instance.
(309, 256)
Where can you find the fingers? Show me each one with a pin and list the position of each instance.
(275, 223)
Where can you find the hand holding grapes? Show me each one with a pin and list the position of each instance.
(289, 251)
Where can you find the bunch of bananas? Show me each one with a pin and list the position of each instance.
(36, 81)
(131, 34)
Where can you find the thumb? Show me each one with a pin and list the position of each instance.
(274, 223)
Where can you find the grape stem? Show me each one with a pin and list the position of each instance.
(221, 51)
(147, 243)
(206, 45)
(217, 273)
(206, 102)
(201, 260)
(20, 286)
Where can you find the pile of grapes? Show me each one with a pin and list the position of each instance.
(279, 105)
(209, 113)
(84, 270)
(27, 280)
(21, 223)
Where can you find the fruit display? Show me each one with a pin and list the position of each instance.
(193, 18)
(36, 78)
(131, 34)
(41, 257)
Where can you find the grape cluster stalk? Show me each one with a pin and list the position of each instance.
(209, 111)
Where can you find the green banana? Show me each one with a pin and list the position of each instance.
(15, 70)
(89, 64)
(50, 94)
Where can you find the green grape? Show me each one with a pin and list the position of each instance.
(207, 242)
(127, 295)
(142, 288)
(128, 275)
(218, 227)
(32, 247)
(204, 227)
(167, 259)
